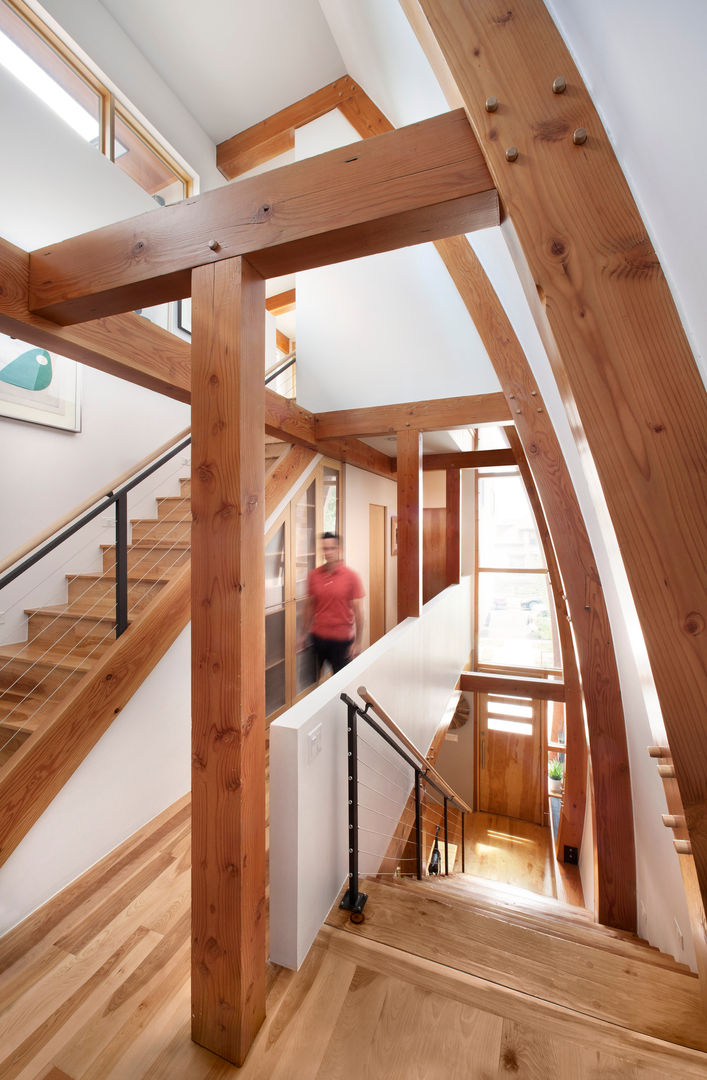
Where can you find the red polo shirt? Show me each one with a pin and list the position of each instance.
(334, 593)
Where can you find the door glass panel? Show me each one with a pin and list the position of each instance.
(331, 500)
(305, 539)
(516, 621)
(275, 569)
(306, 662)
(274, 660)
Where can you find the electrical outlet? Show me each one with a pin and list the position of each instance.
(571, 855)
(315, 742)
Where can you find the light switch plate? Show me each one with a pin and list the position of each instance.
(315, 742)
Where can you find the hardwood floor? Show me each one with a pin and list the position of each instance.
(95, 986)
(511, 851)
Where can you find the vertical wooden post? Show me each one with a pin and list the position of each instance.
(228, 657)
(454, 501)
(409, 523)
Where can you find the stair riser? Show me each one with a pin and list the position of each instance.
(176, 508)
(102, 593)
(159, 530)
(143, 561)
(40, 680)
(185, 488)
(68, 630)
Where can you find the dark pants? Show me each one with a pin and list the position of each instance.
(336, 652)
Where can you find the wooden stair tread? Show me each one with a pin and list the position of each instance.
(93, 611)
(663, 1003)
(133, 579)
(588, 933)
(147, 545)
(40, 654)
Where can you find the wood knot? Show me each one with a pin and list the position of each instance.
(509, 1060)
(263, 212)
(658, 428)
(557, 247)
(501, 20)
(138, 247)
(551, 131)
(694, 623)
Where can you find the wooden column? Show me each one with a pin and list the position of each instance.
(409, 523)
(228, 658)
(454, 501)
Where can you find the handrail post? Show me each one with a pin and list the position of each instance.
(463, 861)
(121, 563)
(418, 826)
(446, 840)
(353, 900)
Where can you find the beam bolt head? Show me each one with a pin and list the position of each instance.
(559, 85)
(579, 136)
(491, 104)
(214, 245)
(512, 153)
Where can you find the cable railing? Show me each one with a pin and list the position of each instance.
(63, 638)
(281, 377)
(398, 805)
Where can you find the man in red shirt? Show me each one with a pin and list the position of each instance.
(333, 614)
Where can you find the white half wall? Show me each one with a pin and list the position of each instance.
(412, 672)
(139, 767)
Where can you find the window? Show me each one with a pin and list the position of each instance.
(515, 614)
(44, 64)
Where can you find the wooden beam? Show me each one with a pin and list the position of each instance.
(511, 686)
(276, 134)
(419, 183)
(126, 346)
(285, 475)
(409, 523)
(228, 659)
(453, 524)
(441, 415)
(283, 343)
(469, 459)
(614, 338)
(37, 771)
(282, 302)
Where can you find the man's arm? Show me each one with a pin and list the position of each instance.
(359, 620)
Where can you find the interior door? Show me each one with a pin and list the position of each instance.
(376, 572)
(434, 552)
(510, 756)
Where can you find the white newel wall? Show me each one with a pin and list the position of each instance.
(412, 672)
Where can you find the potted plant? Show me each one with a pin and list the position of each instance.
(555, 772)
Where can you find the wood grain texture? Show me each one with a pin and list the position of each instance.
(512, 685)
(438, 415)
(619, 353)
(434, 552)
(281, 303)
(453, 559)
(38, 770)
(275, 134)
(404, 187)
(285, 475)
(469, 459)
(409, 523)
(284, 344)
(228, 658)
(574, 796)
(126, 346)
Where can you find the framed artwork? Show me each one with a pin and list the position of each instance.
(393, 536)
(184, 315)
(38, 386)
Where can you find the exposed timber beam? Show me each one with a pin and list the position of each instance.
(453, 506)
(613, 335)
(126, 346)
(282, 302)
(284, 344)
(444, 414)
(228, 659)
(511, 686)
(468, 459)
(405, 187)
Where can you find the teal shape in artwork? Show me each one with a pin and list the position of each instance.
(32, 370)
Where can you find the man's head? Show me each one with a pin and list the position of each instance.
(331, 548)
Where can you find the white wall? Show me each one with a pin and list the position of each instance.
(412, 672)
(360, 490)
(137, 769)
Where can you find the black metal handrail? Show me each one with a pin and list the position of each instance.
(280, 368)
(119, 499)
(353, 900)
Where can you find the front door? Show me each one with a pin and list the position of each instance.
(510, 753)
(376, 572)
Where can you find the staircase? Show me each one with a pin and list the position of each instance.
(65, 641)
(535, 947)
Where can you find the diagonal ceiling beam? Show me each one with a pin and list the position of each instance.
(444, 414)
(420, 183)
(281, 303)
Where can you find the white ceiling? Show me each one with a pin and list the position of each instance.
(233, 62)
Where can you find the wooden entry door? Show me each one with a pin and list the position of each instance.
(376, 572)
(510, 756)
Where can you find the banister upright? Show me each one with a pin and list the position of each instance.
(353, 900)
